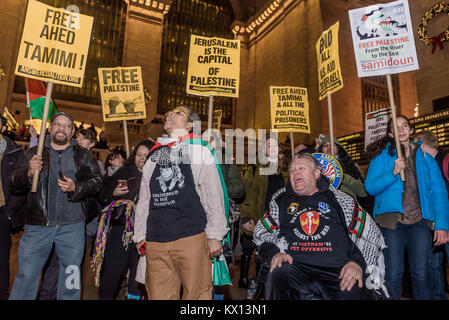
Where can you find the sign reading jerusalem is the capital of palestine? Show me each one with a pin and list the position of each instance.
(54, 45)
(214, 67)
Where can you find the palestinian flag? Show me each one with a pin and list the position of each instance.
(36, 91)
(269, 223)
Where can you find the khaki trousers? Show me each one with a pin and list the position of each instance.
(182, 262)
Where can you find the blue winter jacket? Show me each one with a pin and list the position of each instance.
(387, 188)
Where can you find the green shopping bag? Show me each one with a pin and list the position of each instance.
(220, 272)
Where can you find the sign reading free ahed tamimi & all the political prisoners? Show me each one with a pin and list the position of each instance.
(383, 40)
(122, 95)
(214, 67)
(289, 109)
(54, 45)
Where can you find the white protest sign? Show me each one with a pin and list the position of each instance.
(382, 36)
(376, 125)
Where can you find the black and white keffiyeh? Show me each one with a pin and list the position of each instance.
(362, 229)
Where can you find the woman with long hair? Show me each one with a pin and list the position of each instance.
(407, 211)
(115, 252)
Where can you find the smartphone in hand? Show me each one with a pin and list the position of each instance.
(61, 176)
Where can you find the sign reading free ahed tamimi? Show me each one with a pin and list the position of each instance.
(214, 67)
(122, 95)
(289, 109)
(54, 45)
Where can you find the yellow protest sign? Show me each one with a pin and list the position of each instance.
(289, 109)
(54, 45)
(214, 67)
(216, 119)
(122, 96)
(329, 72)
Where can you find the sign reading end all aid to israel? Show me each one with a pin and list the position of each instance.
(214, 67)
(383, 39)
(122, 95)
(54, 44)
(329, 72)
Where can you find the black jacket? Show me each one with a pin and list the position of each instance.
(15, 203)
(88, 183)
(105, 197)
(268, 250)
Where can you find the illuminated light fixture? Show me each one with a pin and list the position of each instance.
(269, 10)
(260, 20)
(248, 30)
(266, 13)
(257, 22)
(272, 7)
(253, 24)
(147, 3)
(141, 1)
(161, 6)
(154, 4)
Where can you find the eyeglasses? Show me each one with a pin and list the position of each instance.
(177, 112)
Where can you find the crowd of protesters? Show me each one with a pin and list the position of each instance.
(159, 221)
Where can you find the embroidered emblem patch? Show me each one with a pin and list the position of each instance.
(331, 168)
(310, 220)
(293, 208)
(324, 207)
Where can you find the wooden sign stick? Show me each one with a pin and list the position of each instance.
(395, 126)
(40, 146)
(125, 132)
(331, 124)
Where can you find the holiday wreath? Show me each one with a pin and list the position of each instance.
(422, 29)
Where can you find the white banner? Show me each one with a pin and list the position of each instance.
(382, 36)
(376, 125)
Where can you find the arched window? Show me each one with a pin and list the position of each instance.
(209, 18)
(375, 93)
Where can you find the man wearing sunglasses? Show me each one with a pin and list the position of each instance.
(181, 213)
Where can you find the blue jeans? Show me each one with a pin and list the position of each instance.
(418, 241)
(437, 280)
(34, 249)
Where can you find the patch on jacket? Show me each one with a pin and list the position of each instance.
(293, 208)
(269, 223)
(358, 220)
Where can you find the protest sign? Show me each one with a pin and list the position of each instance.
(329, 72)
(376, 125)
(216, 119)
(122, 96)
(383, 39)
(54, 45)
(214, 67)
(289, 109)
